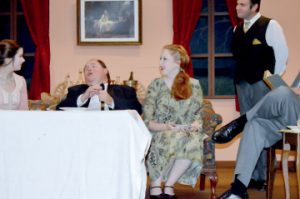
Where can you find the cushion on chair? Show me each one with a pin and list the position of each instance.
(45, 103)
(49, 101)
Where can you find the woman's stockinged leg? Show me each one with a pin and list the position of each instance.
(178, 169)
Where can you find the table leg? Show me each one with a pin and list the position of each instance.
(298, 164)
(285, 157)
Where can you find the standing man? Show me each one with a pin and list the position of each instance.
(258, 45)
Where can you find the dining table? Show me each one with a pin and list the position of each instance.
(73, 154)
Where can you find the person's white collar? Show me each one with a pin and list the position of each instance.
(105, 86)
(253, 19)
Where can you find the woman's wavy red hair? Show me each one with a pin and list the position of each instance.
(181, 88)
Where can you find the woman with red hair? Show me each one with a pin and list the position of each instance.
(172, 113)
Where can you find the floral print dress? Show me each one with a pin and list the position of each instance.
(161, 107)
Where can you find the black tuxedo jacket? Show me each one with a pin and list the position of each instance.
(124, 97)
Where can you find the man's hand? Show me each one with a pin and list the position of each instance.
(105, 97)
(90, 92)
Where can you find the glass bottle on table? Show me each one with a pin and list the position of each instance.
(131, 82)
(131, 76)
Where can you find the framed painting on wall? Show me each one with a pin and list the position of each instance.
(109, 22)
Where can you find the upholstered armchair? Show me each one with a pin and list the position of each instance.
(49, 101)
(210, 121)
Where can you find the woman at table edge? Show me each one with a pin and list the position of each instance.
(13, 89)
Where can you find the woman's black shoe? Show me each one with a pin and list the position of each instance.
(167, 196)
(161, 196)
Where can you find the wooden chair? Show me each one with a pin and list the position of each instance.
(289, 142)
(271, 167)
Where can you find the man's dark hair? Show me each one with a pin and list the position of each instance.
(104, 66)
(253, 2)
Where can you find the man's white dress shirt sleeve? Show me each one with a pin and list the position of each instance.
(276, 39)
(79, 102)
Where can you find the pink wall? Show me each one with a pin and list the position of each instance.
(67, 57)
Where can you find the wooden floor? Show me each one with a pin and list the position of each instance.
(225, 178)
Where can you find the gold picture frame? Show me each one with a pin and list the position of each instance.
(109, 22)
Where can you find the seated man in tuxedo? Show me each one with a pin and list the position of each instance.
(97, 93)
(260, 126)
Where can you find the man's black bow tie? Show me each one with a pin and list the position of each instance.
(102, 86)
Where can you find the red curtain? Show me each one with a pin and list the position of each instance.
(185, 16)
(36, 14)
(231, 5)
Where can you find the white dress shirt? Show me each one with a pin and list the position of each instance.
(95, 103)
(276, 39)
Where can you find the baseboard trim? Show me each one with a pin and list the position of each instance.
(225, 164)
(231, 165)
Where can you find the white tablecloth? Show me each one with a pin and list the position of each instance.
(72, 155)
